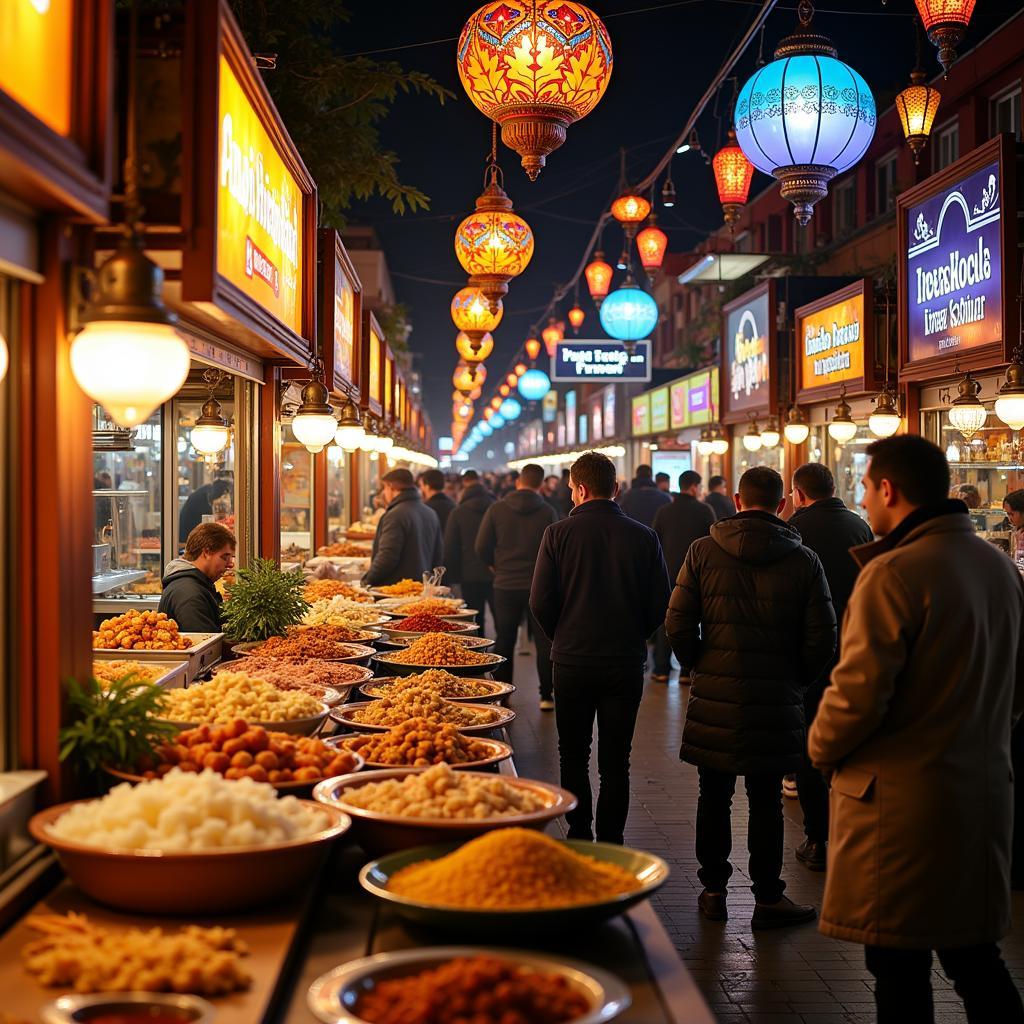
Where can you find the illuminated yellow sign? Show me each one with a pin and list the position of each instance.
(832, 343)
(259, 209)
(387, 386)
(373, 378)
(36, 58)
(344, 324)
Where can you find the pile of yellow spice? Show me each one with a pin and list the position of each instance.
(512, 869)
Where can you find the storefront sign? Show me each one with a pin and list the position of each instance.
(570, 417)
(373, 375)
(259, 208)
(344, 324)
(659, 411)
(699, 399)
(238, 364)
(609, 414)
(678, 394)
(36, 61)
(600, 361)
(389, 391)
(596, 423)
(641, 423)
(747, 354)
(549, 406)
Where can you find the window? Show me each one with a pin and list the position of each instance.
(1004, 112)
(844, 207)
(946, 147)
(885, 184)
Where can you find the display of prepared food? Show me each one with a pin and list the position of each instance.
(140, 630)
(440, 792)
(513, 869)
(304, 644)
(480, 989)
(420, 702)
(346, 549)
(108, 672)
(403, 588)
(444, 684)
(417, 743)
(337, 634)
(319, 590)
(74, 953)
(438, 649)
(230, 695)
(429, 606)
(424, 623)
(242, 751)
(339, 611)
(293, 553)
(363, 529)
(188, 811)
(311, 675)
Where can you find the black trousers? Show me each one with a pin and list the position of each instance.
(612, 697)
(764, 832)
(662, 653)
(810, 783)
(903, 986)
(509, 608)
(481, 597)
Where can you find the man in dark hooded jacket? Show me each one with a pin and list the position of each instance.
(464, 566)
(408, 539)
(642, 501)
(751, 619)
(189, 595)
(509, 540)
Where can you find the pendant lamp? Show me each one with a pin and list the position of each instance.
(314, 423)
(598, 273)
(966, 412)
(841, 427)
(733, 175)
(946, 22)
(796, 428)
(210, 435)
(1010, 398)
(885, 419)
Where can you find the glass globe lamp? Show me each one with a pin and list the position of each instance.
(349, 433)
(770, 435)
(966, 412)
(841, 427)
(752, 438)
(885, 418)
(629, 313)
(796, 428)
(1010, 399)
(534, 385)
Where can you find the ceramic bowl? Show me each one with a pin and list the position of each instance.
(499, 752)
(471, 643)
(493, 690)
(106, 1006)
(342, 714)
(386, 662)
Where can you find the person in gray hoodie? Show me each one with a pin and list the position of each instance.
(509, 539)
(189, 595)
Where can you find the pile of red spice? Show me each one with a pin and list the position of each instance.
(426, 624)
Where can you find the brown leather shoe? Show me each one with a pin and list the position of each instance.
(713, 906)
(782, 913)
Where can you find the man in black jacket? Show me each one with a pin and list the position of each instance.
(189, 595)
(678, 525)
(752, 620)
(599, 591)
(642, 501)
(718, 498)
(509, 539)
(464, 566)
(431, 483)
(408, 539)
(199, 504)
(829, 529)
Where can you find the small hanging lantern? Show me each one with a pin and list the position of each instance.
(552, 335)
(534, 385)
(719, 442)
(704, 445)
(466, 378)
(917, 106)
(210, 435)
(652, 243)
(576, 318)
(770, 434)
(467, 352)
(752, 438)
(946, 22)
(630, 211)
(668, 193)
(966, 412)
(841, 428)
(629, 314)
(733, 175)
(314, 424)
(512, 380)
(519, 369)
(1010, 397)
(599, 275)
(349, 434)
(797, 427)
(533, 347)
(471, 312)
(885, 419)
(505, 390)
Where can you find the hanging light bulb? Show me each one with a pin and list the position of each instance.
(464, 346)
(885, 419)
(917, 106)
(314, 423)
(349, 434)
(770, 435)
(752, 438)
(966, 412)
(1010, 398)
(371, 436)
(945, 21)
(599, 275)
(705, 446)
(576, 318)
(719, 442)
(668, 193)
(733, 175)
(552, 335)
(841, 427)
(533, 347)
(652, 244)
(692, 143)
(796, 428)
(210, 435)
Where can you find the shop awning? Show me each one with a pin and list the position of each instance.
(725, 266)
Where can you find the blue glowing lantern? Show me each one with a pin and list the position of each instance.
(806, 117)
(485, 428)
(534, 385)
(497, 421)
(629, 314)
(510, 410)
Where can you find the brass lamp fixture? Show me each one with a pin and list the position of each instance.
(210, 435)
(314, 424)
(885, 418)
(770, 434)
(719, 442)
(797, 428)
(841, 427)
(752, 438)
(1010, 398)
(349, 434)
(946, 22)
(966, 412)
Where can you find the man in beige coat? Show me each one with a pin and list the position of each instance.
(914, 731)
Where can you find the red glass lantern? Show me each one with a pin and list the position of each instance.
(599, 277)
(576, 318)
(652, 243)
(733, 175)
(533, 347)
(630, 211)
(552, 335)
(511, 380)
(945, 21)
(504, 390)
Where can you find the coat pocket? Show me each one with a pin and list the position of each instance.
(853, 782)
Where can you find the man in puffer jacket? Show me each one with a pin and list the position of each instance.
(751, 619)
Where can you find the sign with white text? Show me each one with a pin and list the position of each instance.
(600, 361)
(748, 355)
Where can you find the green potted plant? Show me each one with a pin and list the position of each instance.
(263, 602)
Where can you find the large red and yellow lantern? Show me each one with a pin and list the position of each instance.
(471, 312)
(468, 377)
(733, 175)
(464, 346)
(652, 244)
(535, 68)
(599, 275)
(945, 21)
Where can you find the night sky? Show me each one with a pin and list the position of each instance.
(665, 54)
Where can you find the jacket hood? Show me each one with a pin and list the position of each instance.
(406, 494)
(822, 505)
(524, 502)
(179, 567)
(476, 497)
(755, 537)
(644, 481)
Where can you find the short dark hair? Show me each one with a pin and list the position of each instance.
(471, 476)
(207, 537)
(913, 465)
(532, 475)
(815, 480)
(596, 472)
(716, 481)
(643, 472)
(968, 494)
(658, 477)
(1015, 499)
(219, 488)
(761, 488)
(399, 478)
(433, 478)
(689, 479)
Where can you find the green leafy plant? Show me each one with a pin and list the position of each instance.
(116, 727)
(263, 601)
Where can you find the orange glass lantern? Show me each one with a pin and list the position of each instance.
(520, 369)
(946, 22)
(489, 412)
(504, 390)
(576, 318)
(467, 377)
(464, 346)
(733, 175)
(474, 395)
(917, 106)
(599, 277)
(493, 244)
(471, 312)
(533, 347)
(496, 402)
(534, 68)
(652, 243)
(630, 210)
(552, 335)
(511, 380)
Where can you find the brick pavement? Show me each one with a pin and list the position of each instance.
(785, 976)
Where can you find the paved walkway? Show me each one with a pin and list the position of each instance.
(786, 976)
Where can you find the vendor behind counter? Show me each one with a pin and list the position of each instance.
(190, 596)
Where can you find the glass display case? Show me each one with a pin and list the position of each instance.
(337, 494)
(846, 461)
(741, 460)
(296, 497)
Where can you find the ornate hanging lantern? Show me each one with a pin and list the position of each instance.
(652, 243)
(534, 385)
(599, 277)
(552, 335)
(533, 347)
(471, 312)
(211, 433)
(534, 68)
(733, 175)
(824, 126)
(466, 378)
(576, 318)
(314, 424)
(966, 412)
(493, 245)
(519, 369)
(464, 346)
(917, 106)
(945, 21)
(629, 314)
(630, 211)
